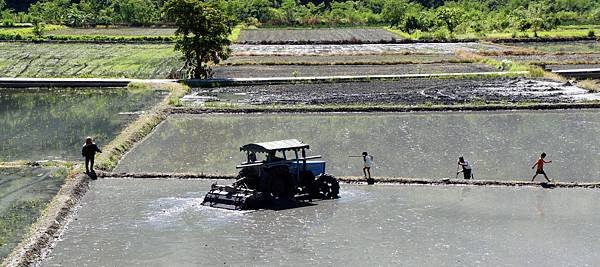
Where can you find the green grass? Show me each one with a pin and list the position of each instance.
(398, 32)
(576, 31)
(235, 33)
(87, 60)
(114, 31)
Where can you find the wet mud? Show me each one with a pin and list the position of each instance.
(409, 92)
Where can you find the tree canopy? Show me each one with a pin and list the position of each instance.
(408, 15)
(203, 30)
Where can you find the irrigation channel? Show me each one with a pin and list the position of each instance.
(161, 222)
(500, 145)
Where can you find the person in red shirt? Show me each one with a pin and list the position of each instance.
(540, 167)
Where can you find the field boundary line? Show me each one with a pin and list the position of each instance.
(359, 179)
(362, 109)
(217, 82)
(8, 82)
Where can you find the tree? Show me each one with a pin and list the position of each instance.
(393, 11)
(203, 31)
(449, 17)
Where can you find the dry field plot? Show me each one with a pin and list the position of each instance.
(342, 35)
(342, 60)
(365, 49)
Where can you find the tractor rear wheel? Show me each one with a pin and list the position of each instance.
(327, 187)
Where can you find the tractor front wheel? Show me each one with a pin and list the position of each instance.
(327, 187)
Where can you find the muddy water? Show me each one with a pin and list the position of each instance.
(24, 193)
(52, 124)
(160, 222)
(500, 145)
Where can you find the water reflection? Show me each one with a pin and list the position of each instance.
(50, 123)
(499, 145)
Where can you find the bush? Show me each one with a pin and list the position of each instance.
(442, 34)
(591, 33)
(8, 22)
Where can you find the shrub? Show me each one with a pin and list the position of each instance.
(442, 34)
(8, 22)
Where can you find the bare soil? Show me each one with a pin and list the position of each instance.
(340, 35)
(341, 60)
(409, 91)
(366, 49)
(250, 71)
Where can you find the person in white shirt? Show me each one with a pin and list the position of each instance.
(368, 160)
(466, 168)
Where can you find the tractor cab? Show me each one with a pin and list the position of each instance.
(276, 170)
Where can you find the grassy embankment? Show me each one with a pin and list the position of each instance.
(563, 32)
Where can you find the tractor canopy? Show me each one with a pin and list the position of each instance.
(281, 145)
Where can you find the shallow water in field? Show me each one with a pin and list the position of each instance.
(161, 222)
(41, 124)
(24, 193)
(499, 145)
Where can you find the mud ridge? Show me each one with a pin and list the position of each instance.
(381, 180)
(50, 224)
(316, 108)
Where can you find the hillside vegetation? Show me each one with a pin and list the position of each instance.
(410, 16)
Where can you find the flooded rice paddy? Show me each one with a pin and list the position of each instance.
(24, 193)
(161, 222)
(250, 71)
(500, 145)
(569, 47)
(42, 124)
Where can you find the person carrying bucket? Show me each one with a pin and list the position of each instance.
(466, 168)
(540, 167)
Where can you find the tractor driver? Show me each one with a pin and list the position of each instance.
(272, 158)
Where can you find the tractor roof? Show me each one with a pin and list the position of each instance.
(281, 145)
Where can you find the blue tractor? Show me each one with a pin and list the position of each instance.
(274, 172)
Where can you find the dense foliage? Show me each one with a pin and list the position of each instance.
(203, 30)
(458, 16)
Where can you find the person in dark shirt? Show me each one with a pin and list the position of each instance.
(88, 151)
